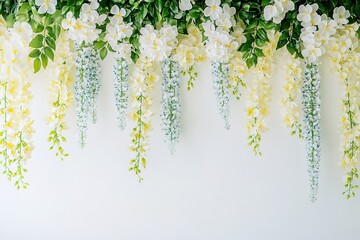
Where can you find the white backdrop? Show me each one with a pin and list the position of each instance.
(212, 188)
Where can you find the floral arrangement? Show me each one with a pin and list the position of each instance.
(162, 41)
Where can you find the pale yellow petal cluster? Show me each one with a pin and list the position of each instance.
(62, 74)
(260, 94)
(291, 94)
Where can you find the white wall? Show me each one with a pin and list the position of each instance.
(212, 188)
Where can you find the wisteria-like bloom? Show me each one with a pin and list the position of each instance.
(16, 129)
(63, 72)
(143, 78)
(190, 51)
(311, 109)
(87, 87)
(171, 109)
(237, 70)
(46, 6)
(121, 83)
(346, 62)
(291, 92)
(258, 101)
(220, 76)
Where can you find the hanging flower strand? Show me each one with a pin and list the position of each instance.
(260, 94)
(345, 60)
(117, 35)
(188, 53)
(16, 134)
(60, 94)
(291, 93)
(142, 78)
(171, 111)
(84, 32)
(220, 47)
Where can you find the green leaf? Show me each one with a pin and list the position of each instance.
(245, 47)
(281, 43)
(37, 42)
(34, 53)
(44, 60)
(100, 44)
(25, 8)
(50, 42)
(265, 2)
(49, 53)
(37, 65)
(250, 62)
(159, 5)
(194, 13)
(103, 53)
(57, 30)
(49, 20)
(174, 7)
(259, 42)
(261, 33)
(37, 28)
(258, 52)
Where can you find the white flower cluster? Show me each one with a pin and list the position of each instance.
(171, 109)
(118, 32)
(277, 10)
(16, 128)
(220, 44)
(311, 108)
(157, 45)
(291, 92)
(121, 84)
(220, 76)
(186, 5)
(317, 30)
(87, 87)
(84, 29)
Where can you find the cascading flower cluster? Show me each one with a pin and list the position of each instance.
(346, 61)
(117, 35)
(63, 73)
(17, 126)
(220, 46)
(260, 94)
(143, 78)
(147, 37)
(83, 31)
(311, 109)
(237, 64)
(171, 109)
(190, 51)
(317, 30)
(291, 92)
(157, 46)
(316, 33)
